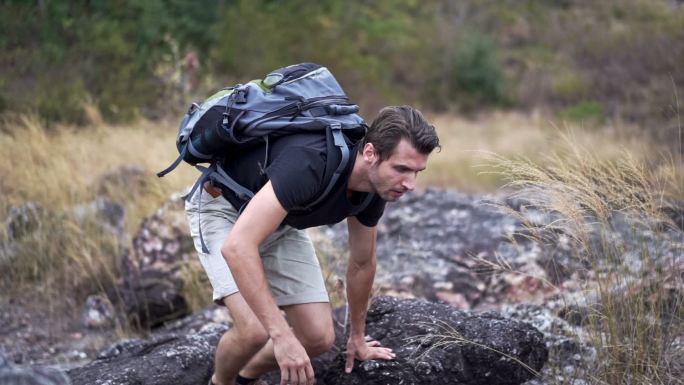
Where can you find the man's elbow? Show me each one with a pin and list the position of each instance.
(363, 264)
(231, 250)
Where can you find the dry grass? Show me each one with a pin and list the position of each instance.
(65, 167)
(60, 169)
(632, 289)
(466, 144)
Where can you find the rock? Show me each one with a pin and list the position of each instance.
(152, 281)
(25, 220)
(166, 358)
(108, 214)
(32, 222)
(98, 312)
(437, 344)
(492, 350)
(432, 245)
(30, 375)
(23, 223)
(132, 178)
(484, 252)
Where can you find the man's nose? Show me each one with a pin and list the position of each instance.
(409, 183)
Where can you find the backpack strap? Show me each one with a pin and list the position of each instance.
(206, 172)
(175, 163)
(183, 137)
(338, 141)
(222, 177)
(214, 172)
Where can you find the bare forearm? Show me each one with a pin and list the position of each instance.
(248, 272)
(359, 284)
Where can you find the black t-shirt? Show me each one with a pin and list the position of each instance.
(296, 166)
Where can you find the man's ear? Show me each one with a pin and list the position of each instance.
(369, 153)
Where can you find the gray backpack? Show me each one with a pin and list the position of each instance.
(295, 99)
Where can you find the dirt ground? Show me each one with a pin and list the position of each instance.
(35, 335)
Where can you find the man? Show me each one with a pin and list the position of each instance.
(261, 261)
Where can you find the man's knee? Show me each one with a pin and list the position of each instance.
(319, 340)
(252, 336)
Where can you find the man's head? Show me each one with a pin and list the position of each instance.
(396, 148)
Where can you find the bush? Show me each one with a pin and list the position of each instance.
(477, 78)
(61, 102)
(585, 112)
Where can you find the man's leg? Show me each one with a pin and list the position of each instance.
(239, 344)
(311, 323)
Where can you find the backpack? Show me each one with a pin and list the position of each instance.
(299, 98)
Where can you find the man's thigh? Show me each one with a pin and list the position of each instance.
(292, 268)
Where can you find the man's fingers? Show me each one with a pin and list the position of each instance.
(373, 343)
(284, 376)
(350, 362)
(301, 374)
(294, 379)
(383, 353)
(310, 375)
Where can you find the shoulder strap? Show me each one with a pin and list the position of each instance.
(215, 172)
(335, 129)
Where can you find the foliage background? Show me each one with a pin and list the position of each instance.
(91, 92)
(583, 60)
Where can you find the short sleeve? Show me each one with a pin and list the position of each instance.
(371, 215)
(296, 175)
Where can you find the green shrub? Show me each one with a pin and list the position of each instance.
(477, 78)
(584, 112)
(569, 86)
(61, 102)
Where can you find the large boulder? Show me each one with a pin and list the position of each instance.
(435, 344)
(152, 273)
(438, 245)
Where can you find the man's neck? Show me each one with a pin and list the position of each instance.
(358, 180)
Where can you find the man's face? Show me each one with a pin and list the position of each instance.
(396, 175)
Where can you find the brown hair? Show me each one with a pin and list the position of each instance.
(400, 122)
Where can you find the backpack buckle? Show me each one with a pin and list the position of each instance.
(336, 130)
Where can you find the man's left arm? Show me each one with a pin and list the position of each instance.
(360, 275)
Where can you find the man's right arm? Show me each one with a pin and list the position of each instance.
(261, 217)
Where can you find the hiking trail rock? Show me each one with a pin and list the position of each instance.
(491, 349)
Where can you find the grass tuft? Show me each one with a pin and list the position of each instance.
(615, 215)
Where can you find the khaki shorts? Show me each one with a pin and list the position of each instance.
(290, 263)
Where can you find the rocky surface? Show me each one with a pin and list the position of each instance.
(443, 246)
(166, 358)
(30, 375)
(152, 284)
(437, 344)
(440, 245)
(477, 349)
(484, 252)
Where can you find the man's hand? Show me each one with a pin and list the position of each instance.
(294, 363)
(364, 349)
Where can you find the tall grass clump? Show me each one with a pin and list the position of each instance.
(615, 213)
(57, 242)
